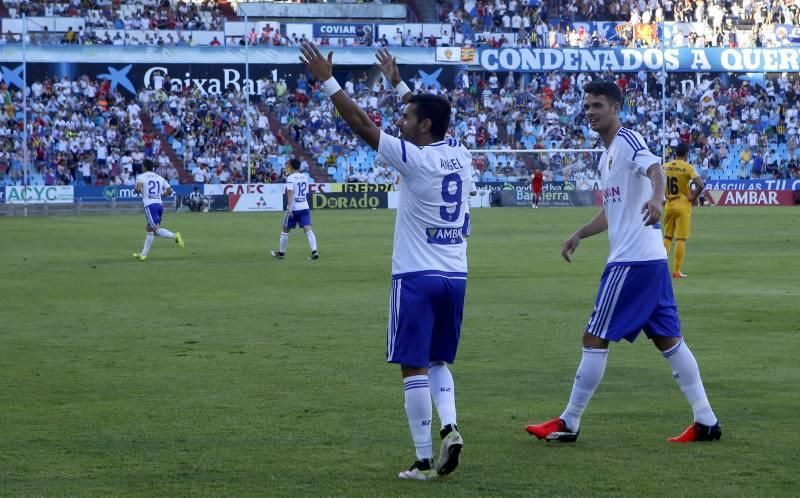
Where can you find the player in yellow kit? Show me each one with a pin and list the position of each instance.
(678, 213)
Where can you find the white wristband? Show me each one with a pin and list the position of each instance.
(331, 86)
(402, 89)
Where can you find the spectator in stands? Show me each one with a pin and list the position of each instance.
(758, 164)
(202, 173)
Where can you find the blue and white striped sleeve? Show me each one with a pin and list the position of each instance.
(399, 153)
(640, 158)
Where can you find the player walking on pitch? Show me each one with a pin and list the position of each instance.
(635, 290)
(678, 215)
(297, 211)
(429, 257)
(152, 186)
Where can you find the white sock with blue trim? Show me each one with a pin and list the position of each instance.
(590, 373)
(419, 411)
(284, 242)
(148, 243)
(443, 391)
(163, 232)
(687, 374)
(312, 240)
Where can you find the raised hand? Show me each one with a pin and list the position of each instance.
(388, 65)
(320, 67)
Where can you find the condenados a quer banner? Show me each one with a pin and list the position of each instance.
(678, 60)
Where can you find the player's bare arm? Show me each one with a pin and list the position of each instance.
(289, 206)
(388, 66)
(699, 186)
(138, 188)
(322, 69)
(599, 224)
(168, 192)
(653, 208)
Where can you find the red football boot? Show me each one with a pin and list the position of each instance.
(553, 430)
(698, 432)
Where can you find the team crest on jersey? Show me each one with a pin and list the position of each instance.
(444, 236)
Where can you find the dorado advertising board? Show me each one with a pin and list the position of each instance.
(349, 200)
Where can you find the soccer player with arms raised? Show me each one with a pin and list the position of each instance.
(635, 290)
(429, 256)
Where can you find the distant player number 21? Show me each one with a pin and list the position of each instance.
(153, 189)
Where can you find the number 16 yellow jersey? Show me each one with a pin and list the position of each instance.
(679, 175)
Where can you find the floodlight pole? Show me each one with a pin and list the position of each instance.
(248, 138)
(663, 91)
(25, 114)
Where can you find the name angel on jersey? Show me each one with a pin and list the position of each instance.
(612, 195)
(450, 164)
(445, 236)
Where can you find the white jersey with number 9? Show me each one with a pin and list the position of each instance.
(435, 182)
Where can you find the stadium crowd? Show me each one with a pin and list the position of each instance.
(79, 132)
(140, 14)
(209, 132)
(742, 23)
(82, 132)
(736, 130)
(476, 23)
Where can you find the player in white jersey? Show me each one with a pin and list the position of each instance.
(636, 289)
(297, 210)
(152, 186)
(429, 258)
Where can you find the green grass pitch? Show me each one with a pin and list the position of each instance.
(218, 371)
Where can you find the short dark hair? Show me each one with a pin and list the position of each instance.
(606, 88)
(294, 164)
(682, 149)
(148, 165)
(435, 108)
